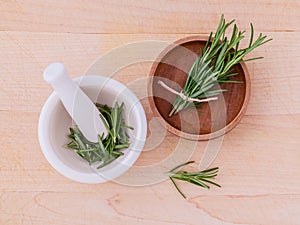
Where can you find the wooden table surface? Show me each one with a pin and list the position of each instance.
(259, 160)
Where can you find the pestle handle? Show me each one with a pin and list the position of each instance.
(82, 110)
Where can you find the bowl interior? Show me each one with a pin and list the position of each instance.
(172, 69)
(58, 122)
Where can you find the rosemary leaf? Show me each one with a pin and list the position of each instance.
(201, 178)
(215, 64)
(108, 148)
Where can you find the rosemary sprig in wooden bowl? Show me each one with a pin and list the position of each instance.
(201, 178)
(108, 148)
(215, 65)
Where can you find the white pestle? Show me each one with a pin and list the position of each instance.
(82, 110)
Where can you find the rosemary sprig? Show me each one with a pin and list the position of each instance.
(215, 64)
(108, 148)
(202, 178)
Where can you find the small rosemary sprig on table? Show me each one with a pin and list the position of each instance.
(202, 178)
(108, 148)
(215, 64)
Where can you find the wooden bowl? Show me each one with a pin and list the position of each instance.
(214, 118)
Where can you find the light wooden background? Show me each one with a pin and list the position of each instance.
(259, 159)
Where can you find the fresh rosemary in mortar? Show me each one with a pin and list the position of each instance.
(108, 148)
(215, 65)
(201, 178)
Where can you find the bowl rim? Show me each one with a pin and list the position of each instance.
(93, 177)
(177, 132)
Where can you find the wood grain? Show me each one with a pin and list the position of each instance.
(258, 160)
(188, 16)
